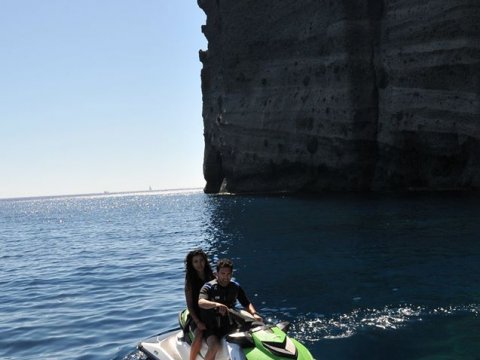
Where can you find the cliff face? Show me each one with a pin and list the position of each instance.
(313, 95)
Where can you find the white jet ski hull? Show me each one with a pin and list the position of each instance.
(170, 345)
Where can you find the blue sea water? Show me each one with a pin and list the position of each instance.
(359, 277)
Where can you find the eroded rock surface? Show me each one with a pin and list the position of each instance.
(341, 95)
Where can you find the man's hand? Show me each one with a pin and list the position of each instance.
(222, 309)
(257, 317)
(201, 326)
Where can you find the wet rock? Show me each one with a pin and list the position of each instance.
(350, 95)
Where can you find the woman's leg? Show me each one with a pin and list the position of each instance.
(196, 344)
(213, 345)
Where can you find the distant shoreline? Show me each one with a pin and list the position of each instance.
(105, 193)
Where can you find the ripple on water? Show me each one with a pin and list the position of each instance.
(314, 327)
(98, 274)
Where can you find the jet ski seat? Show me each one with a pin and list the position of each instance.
(185, 327)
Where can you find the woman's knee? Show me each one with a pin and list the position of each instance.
(213, 342)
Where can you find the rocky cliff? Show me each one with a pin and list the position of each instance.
(341, 95)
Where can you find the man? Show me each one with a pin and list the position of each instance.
(218, 296)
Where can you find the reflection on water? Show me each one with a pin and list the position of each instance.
(314, 327)
(363, 277)
(341, 267)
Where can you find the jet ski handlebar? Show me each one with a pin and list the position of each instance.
(244, 318)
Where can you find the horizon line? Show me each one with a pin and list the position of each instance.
(104, 193)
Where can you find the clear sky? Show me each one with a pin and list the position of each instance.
(100, 95)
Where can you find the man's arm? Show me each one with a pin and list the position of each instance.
(207, 304)
(252, 311)
(242, 297)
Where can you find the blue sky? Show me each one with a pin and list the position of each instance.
(100, 96)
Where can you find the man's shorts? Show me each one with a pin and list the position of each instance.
(216, 325)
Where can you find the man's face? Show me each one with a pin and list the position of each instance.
(224, 275)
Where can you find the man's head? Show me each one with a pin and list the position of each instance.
(224, 271)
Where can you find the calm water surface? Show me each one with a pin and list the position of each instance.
(359, 277)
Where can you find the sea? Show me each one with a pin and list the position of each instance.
(358, 276)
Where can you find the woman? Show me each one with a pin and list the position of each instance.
(198, 272)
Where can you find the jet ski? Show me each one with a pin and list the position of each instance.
(249, 340)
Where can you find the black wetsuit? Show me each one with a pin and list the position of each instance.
(228, 295)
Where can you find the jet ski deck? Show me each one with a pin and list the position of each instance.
(172, 345)
(169, 345)
(250, 341)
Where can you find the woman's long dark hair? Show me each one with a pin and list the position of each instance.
(190, 273)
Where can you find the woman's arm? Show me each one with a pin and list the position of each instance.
(190, 303)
